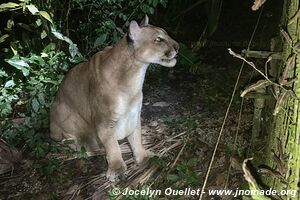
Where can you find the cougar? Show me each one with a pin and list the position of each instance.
(99, 101)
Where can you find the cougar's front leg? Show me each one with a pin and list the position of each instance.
(135, 139)
(116, 164)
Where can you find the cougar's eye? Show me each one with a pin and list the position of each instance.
(158, 39)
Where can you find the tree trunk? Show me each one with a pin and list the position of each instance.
(283, 148)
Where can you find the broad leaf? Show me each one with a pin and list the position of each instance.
(72, 47)
(3, 73)
(32, 9)
(9, 83)
(44, 55)
(41, 99)
(3, 37)
(38, 22)
(100, 40)
(43, 34)
(46, 16)
(37, 60)
(61, 36)
(154, 3)
(19, 64)
(35, 105)
(73, 50)
(25, 26)
(9, 5)
(25, 71)
(10, 24)
(13, 48)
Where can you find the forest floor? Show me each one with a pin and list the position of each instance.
(189, 107)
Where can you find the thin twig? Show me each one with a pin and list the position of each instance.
(288, 39)
(227, 111)
(254, 67)
(266, 65)
(235, 141)
(179, 154)
(249, 63)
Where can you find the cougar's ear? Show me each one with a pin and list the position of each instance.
(145, 21)
(134, 30)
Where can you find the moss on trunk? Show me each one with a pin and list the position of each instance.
(284, 129)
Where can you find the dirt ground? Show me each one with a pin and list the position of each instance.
(170, 106)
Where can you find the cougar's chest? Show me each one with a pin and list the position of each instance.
(128, 118)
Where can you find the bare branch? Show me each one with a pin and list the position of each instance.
(280, 101)
(249, 63)
(257, 4)
(259, 84)
(286, 36)
(287, 69)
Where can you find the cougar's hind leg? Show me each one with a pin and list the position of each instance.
(56, 133)
(66, 124)
(69, 125)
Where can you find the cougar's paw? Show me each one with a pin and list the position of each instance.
(116, 170)
(143, 157)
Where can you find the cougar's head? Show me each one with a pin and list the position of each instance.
(152, 44)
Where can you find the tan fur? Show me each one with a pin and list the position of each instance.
(99, 101)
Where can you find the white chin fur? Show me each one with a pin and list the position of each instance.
(167, 63)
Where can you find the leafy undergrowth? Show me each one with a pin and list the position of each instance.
(170, 106)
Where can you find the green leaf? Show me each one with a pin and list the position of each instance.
(14, 48)
(145, 8)
(38, 22)
(100, 40)
(37, 60)
(25, 26)
(49, 48)
(9, 83)
(60, 36)
(73, 50)
(9, 5)
(35, 105)
(164, 3)
(32, 9)
(5, 108)
(25, 71)
(9, 24)
(3, 73)
(17, 63)
(43, 34)
(151, 10)
(72, 47)
(41, 99)
(3, 37)
(154, 3)
(20, 65)
(44, 55)
(46, 16)
(120, 30)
